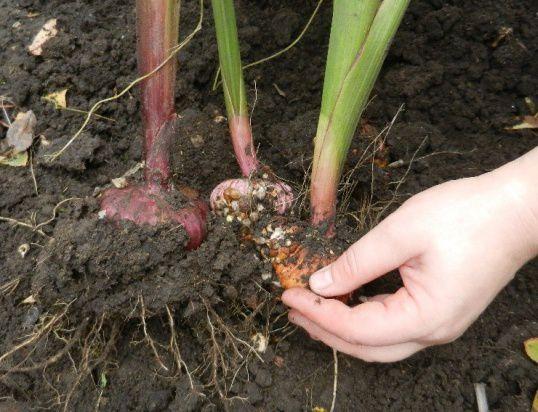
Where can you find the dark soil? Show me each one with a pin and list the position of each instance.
(90, 283)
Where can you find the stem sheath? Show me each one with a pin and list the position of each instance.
(361, 33)
(233, 85)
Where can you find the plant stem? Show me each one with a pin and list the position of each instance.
(361, 33)
(234, 86)
(158, 32)
(147, 203)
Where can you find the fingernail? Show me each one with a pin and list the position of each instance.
(321, 280)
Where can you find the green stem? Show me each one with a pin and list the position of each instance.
(233, 85)
(361, 33)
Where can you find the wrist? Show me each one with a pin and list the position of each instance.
(517, 184)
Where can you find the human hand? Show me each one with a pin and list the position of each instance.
(456, 246)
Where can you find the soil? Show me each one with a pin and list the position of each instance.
(111, 317)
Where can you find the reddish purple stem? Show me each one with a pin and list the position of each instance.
(157, 27)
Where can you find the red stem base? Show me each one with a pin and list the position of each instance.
(146, 205)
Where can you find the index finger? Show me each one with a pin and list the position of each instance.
(395, 320)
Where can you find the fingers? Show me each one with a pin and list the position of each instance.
(377, 298)
(390, 353)
(394, 320)
(386, 247)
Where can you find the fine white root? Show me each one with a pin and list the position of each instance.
(147, 337)
(335, 381)
(481, 397)
(174, 348)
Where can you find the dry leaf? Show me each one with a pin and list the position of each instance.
(20, 134)
(531, 348)
(529, 122)
(29, 300)
(59, 99)
(18, 160)
(48, 31)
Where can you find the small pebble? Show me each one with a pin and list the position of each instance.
(277, 233)
(266, 276)
(260, 193)
(230, 292)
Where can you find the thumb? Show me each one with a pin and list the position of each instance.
(386, 247)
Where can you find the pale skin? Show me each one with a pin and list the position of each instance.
(456, 246)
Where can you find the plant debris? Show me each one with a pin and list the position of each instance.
(21, 132)
(531, 348)
(19, 138)
(47, 32)
(59, 99)
(528, 122)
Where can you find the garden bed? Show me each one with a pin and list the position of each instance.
(128, 312)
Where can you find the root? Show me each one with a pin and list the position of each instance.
(147, 336)
(349, 182)
(227, 353)
(54, 211)
(21, 223)
(32, 172)
(91, 345)
(228, 333)
(335, 381)
(93, 351)
(398, 184)
(36, 335)
(216, 81)
(9, 287)
(37, 227)
(174, 349)
(53, 359)
(217, 359)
